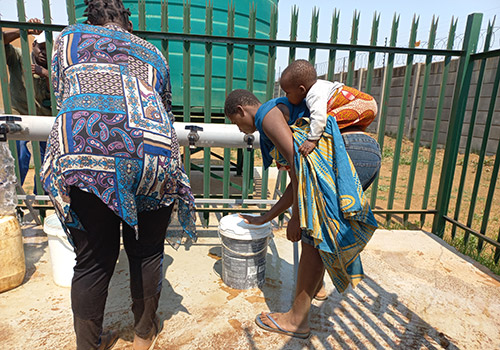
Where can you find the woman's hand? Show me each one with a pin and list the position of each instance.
(307, 147)
(253, 220)
(293, 230)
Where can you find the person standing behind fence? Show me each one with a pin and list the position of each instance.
(17, 86)
(113, 158)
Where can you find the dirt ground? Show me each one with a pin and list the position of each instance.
(420, 182)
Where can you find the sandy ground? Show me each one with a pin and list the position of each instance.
(419, 293)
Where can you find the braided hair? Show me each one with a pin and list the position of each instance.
(99, 12)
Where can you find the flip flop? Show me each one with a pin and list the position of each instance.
(323, 297)
(278, 329)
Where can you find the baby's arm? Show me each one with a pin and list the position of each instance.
(316, 101)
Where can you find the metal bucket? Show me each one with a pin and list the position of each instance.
(244, 249)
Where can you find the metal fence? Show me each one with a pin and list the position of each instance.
(236, 175)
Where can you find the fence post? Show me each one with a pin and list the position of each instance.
(30, 92)
(229, 88)
(186, 78)
(4, 82)
(464, 74)
(352, 54)
(371, 55)
(271, 74)
(209, 18)
(384, 104)
(402, 114)
(314, 35)
(333, 39)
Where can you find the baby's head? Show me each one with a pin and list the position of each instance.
(240, 107)
(297, 79)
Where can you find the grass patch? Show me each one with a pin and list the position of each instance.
(404, 160)
(397, 225)
(469, 248)
(388, 153)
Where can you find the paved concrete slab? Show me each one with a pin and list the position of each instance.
(418, 293)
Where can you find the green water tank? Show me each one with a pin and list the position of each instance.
(220, 19)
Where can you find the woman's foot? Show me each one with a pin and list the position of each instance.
(321, 293)
(108, 340)
(281, 323)
(148, 343)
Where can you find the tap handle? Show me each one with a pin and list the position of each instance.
(194, 128)
(193, 135)
(249, 139)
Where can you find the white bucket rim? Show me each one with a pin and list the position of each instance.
(52, 226)
(233, 226)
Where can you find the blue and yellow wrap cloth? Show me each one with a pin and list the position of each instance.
(333, 208)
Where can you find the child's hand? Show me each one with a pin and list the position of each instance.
(307, 147)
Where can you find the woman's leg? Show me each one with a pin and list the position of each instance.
(97, 250)
(321, 293)
(145, 256)
(309, 275)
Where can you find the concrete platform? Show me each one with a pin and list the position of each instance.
(419, 293)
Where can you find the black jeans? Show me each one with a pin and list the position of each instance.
(97, 250)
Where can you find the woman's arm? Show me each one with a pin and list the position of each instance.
(279, 207)
(280, 134)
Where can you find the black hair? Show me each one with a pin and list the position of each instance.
(301, 72)
(100, 12)
(239, 97)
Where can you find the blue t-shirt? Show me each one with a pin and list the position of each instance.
(296, 112)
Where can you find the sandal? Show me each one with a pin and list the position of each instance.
(278, 329)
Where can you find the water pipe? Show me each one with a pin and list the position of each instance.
(37, 128)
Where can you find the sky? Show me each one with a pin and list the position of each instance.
(424, 9)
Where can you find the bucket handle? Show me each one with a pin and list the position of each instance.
(244, 254)
(65, 241)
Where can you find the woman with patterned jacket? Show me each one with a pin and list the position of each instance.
(113, 158)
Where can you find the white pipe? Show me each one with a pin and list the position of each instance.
(197, 201)
(37, 128)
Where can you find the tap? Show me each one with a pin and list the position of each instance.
(9, 125)
(193, 135)
(249, 139)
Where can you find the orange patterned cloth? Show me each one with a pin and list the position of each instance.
(352, 107)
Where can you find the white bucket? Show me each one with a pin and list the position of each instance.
(244, 249)
(62, 254)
